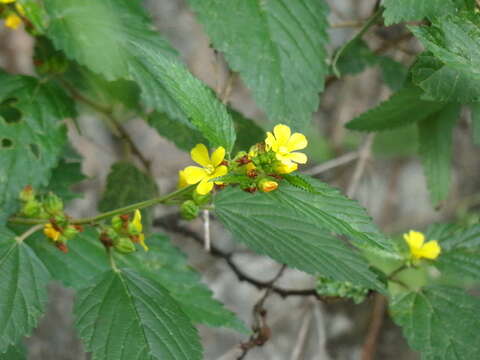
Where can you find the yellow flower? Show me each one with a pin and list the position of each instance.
(284, 144)
(420, 249)
(286, 169)
(7, 1)
(211, 168)
(268, 185)
(137, 228)
(51, 232)
(13, 21)
(182, 181)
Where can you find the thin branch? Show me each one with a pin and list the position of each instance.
(331, 164)
(378, 314)
(348, 24)
(19, 239)
(302, 334)
(364, 156)
(206, 230)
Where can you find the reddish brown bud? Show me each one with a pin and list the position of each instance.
(244, 160)
(224, 162)
(106, 240)
(252, 173)
(125, 217)
(276, 176)
(219, 186)
(79, 227)
(250, 190)
(61, 246)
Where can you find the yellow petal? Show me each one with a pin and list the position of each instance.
(193, 174)
(269, 142)
(300, 158)
(137, 220)
(414, 239)
(204, 187)
(7, 1)
(430, 250)
(200, 155)
(219, 171)
(282, 134)
(218, 155)
(297, 142)
(182, 181)
(142, 242)
(13, 21)
(287, 169)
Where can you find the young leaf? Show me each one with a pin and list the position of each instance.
(460, 250)
(410, 10)
(113, 38)
(475, 111)
(124, 316)
(403, 108)
(168, 266)
(23, 292)
(440, 322)
(278, 47)
(126, 185)
(32, 135)
(393, 72)
(435, 136)
(293, 227)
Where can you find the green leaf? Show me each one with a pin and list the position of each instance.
(356, 58)
(32, 135)
(64, 176)
(248, 132)
(299, 182)
(403, 108)
(475, 111)
(14, 352)
(278, 47)
(124, 316)
(114, 38)
(445, 83)
(293, 227)
(168, 266)
(23, 292)
(393, 72)
(435, 137)
(126, 185)
(410, 10)
(460, 250)
(440, 322)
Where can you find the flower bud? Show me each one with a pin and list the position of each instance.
(201, 199)
(266, 185)
(135, 227)
(70, 232)
(124, 245)
(117, 223)
(51, 232)
(32, 209)
(53, 204)
(189, 210)
(27, 194)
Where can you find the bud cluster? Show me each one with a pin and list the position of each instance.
(124, 233)
(344, 289)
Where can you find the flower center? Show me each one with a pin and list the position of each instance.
(210, 169)
(283, 150)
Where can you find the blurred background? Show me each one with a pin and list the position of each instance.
(392, 187)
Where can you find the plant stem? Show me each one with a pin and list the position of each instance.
(29, 232)
(397, 271)
(122, 210)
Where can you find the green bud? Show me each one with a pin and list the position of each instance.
(117, 223)
(32, 209)
(124, 245)
(201, 199)
(27, 194)
(70, 232)
(189, 210)
(344, 289)
(53, 204)
(112, 233)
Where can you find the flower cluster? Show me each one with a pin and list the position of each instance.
(261, 168)
(124, 233)
(13, 13)
(419, 249)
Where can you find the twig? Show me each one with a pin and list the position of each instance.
(19, 239)
(364, 155)
(302, 334)
(348, 24)
(378, 312)
(171, 223)
(206, 230)
(331, 164)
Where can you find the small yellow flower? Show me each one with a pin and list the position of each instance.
(268, 185)
(211, 168)
(137, 227)
(182, 181)
(419, 249)
(286, 169)
(51, 232)
(13, 21)
(7, 1)
(284, 144)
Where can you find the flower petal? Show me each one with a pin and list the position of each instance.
(297, 142)
(218, 156)
(430, 250)
(414, 239)
(298, 157)
(193, 174)
(204, 187)
(282, 134)
(200, 155)
(270, 141)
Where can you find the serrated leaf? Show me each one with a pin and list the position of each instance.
(475, 111)
(31, 137)
(23, 292)
(14, 352)
(114, 38)
(278, 47)
(299, 182)
(440, 322)
(460, 250)
(124, 306)
(393, 72)
(403, 108)
(356, 58)
(293, 227)
(435, 149)
(64, 176)
(409, 10)
(168, 266)
(126, 185)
